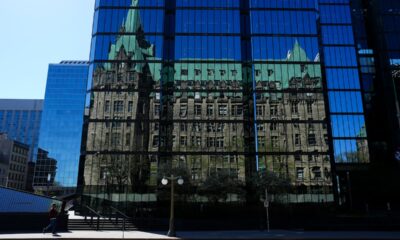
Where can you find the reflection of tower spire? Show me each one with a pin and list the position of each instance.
(135, 45)
(297, 53)
(133, 21)
(289, 55)
(122, 29)
(317, 58)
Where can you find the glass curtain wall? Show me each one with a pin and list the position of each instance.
(214, 91)
(343, 81)
(56, 170)
(290, 108)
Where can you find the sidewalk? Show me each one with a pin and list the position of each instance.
(209, 235)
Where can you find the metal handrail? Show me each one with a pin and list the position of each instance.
(118, 211)
(124, 217)
(91, 217)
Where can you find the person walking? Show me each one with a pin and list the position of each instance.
(53, 219)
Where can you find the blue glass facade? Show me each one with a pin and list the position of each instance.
(61, 126)
(343, 83)
(221, 90)
(20, 119)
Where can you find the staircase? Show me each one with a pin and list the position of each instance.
(105, 224)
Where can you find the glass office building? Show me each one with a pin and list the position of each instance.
(215, 90)
(20, 119)
(57, 163)
(377, 38)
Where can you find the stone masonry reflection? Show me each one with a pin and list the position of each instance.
(203, 117)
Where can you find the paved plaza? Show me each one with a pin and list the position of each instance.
(208, 235)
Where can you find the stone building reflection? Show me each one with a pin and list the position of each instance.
(197, 114)
(45, 172)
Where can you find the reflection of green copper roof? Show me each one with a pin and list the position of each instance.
(204, 69)
(133, 21)
(284, 72)
(362, 133)
(130, 43)
(207, 71)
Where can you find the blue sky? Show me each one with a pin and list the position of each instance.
(36, 33)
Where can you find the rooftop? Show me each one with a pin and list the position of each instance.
(74, 62)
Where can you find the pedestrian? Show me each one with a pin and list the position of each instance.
(53, 219)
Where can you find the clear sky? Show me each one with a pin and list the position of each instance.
(35, 33)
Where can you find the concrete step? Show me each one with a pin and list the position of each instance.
(104, 224)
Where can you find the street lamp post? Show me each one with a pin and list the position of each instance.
(164, 181)
(266, 205)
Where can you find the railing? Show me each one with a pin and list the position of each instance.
(92, 214)
(123, 216)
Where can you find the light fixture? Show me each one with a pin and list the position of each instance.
(164, 181)
(180, 181)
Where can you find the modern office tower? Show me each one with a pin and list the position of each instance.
(220, 92)
(20, 119)
(57, 163)
(14, 157)
(377, 36)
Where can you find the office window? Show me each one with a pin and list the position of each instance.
(183, 111)
(183, 141)
(210, 110)
(118, 106)
(311, 139)
(107, 106)
(295, 108)
(223, 110)
(274, 110)
(197, 110)
(130, 106)
(300, 173)
(297, 139)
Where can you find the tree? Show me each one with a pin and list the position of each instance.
(273, 182)
(118, 174)
(218, 186)
(139, 172)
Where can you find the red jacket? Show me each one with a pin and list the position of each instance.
(53, 213)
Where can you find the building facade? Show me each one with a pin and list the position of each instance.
(61, 128)
(218, 90)
(14, 157)
(376, 37)
(20, 119)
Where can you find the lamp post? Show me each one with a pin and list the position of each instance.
(266, 205)
(164, 181)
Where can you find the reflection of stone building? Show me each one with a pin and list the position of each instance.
(362, 146)
(29, 176)
(119, 112)
(291, 117)
(20, 119)
(14, 163)
(45, 171)
(198, 114)
(207, 120)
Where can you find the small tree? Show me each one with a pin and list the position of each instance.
(118, 174)
(273, 182)
(218, 186)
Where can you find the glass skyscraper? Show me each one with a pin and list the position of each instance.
(20, 119)
(217, 90)
(57, 163)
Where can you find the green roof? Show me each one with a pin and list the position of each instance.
(208, 69)
(130, 43)
(284, 72)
